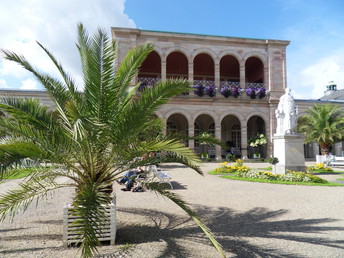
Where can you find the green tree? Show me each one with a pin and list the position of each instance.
(323, 124)
(93, 135)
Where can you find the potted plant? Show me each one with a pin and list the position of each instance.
(255, 142)
(226, 91)
(210, 90)
(199, 90)
(235, 91)
(273, 161)
(261, 92)
(251, 93)
(143, 86)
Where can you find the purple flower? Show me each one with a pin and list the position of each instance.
(226, 91)
(235, 91)
(199, 90)
(210, 90)
(142, 86)
(251, 93)
(261, 92)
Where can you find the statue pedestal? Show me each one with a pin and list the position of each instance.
(289, 151)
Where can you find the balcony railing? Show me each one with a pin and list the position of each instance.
(146, 81)
(228, 83)
(150, 82)
(254, 85)
(203, 82)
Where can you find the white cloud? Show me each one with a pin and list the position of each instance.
(29, 84)
(312, 80)
(53, 23)
(3, 84)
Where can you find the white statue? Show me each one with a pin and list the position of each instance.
(286, 114)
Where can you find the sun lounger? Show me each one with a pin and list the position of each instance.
(163, 177)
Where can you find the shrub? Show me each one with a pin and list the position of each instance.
(273, 160)
(230, 157)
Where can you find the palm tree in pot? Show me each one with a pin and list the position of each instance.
(91, 136)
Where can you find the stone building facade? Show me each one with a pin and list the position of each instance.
(214, 62)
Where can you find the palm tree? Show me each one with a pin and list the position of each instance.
(323, 124)
(93, 136)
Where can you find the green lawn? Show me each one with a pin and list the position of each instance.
(327, 172)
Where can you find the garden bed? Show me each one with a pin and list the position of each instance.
(238, 171)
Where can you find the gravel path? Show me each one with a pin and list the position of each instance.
(249, 219)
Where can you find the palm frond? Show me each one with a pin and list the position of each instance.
(69, 82)
(184, 206)
(55, 88)
(131, 118)
(28, 191)
(13, 150)
(128, 69)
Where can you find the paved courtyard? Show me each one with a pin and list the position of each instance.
(249, 219)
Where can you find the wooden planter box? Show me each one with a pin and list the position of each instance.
(108, 227)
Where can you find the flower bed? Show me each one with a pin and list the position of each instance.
(226, 168)
(319, 167)
(289, 176)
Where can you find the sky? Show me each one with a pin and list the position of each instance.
(315, 28)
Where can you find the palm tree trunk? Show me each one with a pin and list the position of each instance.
(324, 149)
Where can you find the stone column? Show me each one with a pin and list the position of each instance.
(242, 77)
(266, 76)
(191, 75)
(316, 149)
(338, 147)
(284, 69)
(217, 75)
(163, 70)
(218, 136)
(164, 122)
(191, 134)
(244, 151)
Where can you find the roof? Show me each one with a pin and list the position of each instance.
(336, 95)
(194, 35)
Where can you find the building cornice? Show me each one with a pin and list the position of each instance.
(120, 31)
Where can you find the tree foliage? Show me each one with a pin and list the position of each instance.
(323, 124)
